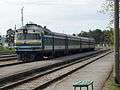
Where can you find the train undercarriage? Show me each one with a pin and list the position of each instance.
(27, 56)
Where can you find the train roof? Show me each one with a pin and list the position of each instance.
(59, 34)
(35, 27)
(85, 38)
(31, 26)
(73, 36)
(40, 28)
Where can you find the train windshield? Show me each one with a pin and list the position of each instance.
(28, 36)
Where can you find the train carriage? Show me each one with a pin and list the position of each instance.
(74, 44)
(85, 43)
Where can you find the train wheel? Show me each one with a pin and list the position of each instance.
(32, 57)
(38, 57)
(23, 57)
(19, 57)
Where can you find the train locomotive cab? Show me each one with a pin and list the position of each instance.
(28, 42)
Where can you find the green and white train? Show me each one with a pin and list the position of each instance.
(33, 41)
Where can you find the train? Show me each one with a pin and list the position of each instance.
(33, 42)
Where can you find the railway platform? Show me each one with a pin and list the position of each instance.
(97, 71)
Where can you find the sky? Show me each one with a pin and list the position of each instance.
(63, 16)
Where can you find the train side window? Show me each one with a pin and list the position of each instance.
(37, 36)
(46, 33)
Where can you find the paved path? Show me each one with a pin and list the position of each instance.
(97, 71)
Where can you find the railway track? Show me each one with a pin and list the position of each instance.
(8, 60)
(45, 76)
(7, 57)
(58, 75)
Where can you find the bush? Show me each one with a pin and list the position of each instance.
(6, 50)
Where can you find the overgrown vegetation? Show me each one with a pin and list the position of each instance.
(110, 85)
(4, 50)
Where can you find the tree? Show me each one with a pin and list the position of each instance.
(83, 34)
(101, 37)
(109, 37)
(97, 35)
(108, 8)
(10, 37)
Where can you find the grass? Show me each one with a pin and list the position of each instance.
(111, 85)
(114, 86)
(6, 50)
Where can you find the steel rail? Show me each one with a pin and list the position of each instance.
(19, 82)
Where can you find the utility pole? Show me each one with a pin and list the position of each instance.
(116, 26)
(22, 15)
(15, 27)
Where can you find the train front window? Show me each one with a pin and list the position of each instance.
(28, 36)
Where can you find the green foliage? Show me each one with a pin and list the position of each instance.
(98, 35)
(108, 8)
(10, 37)
(6, 50)
(83, 34)
(105, 37)
(113, 87)
(110, 85)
